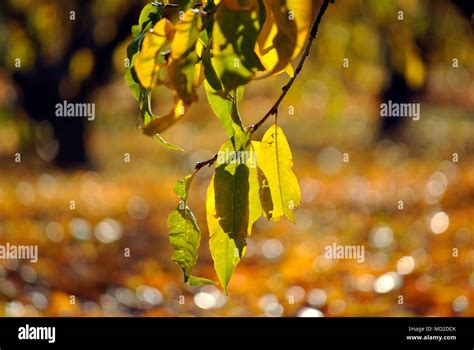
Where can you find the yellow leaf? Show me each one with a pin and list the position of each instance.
(302, 12)
(186, 33)
(158, 125)
(280, 191)
(151, 59)
(277, 40)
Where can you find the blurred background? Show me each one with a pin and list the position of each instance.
(403, 189)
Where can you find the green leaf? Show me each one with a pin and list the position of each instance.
(132, 83)
(280, 191)
(234, 36)
(209, 72)
(184, 234)
(181, 188)
(148, 16)
(225, 107)
(185, 237)
(199, 281)
(167, 144)
(232, 206)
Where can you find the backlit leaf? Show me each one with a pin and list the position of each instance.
(184, 234)
(280, 191)
(235, 32)
(277, 40)
(232, 207)
(302, 13)
(160, 124)
(199, 281)
(153, 53)
(225, 107)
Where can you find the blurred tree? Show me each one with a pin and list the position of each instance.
(70, 47)
(403, 85)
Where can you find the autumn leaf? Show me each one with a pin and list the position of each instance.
(280, 192)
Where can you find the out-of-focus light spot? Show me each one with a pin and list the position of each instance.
(204, 300)
(219, 298)
(309, 312)
(386, 283)
(125, 296)
(460, 303)
(14, 309)
(266, 299)
(329, 160)
(439, 222)
(7, 288)
(272, 249)
(381, 236)
(47, 186)
(25, 193)
(138, 207)
(295, 294)
(108, 303)
(54, 231)
(108, 231)
(405, 265)
(28, 274)
(436, 185)
(365, 282)
(273, 310)
(39, 300)
(309, 189)
(47, 149)
(317, 297)
(80, 229)
(337, 307)
(149, 295)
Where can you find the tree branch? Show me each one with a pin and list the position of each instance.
(274, 109)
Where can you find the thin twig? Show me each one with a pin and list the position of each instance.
(274, 109)
(208, 162)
